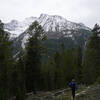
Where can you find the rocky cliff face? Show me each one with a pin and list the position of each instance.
(56, 28)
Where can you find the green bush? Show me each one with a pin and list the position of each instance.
(98, 80)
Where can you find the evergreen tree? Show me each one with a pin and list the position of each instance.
(91, 68)
(78, 64)
(57, 65)
(34, 49)
(61, 67)
(20, 71)
(6, 64)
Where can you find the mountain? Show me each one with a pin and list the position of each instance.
(48, 22)
(57, 23)
(16, 28)
(56, 28)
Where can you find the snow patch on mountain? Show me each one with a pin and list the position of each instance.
(24, 40)
(16, 27)
(50, 23)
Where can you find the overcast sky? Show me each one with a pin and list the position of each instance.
(85, 11)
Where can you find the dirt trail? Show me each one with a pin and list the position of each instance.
(91, 93)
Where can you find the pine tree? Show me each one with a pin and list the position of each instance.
(78, 64)
(91, 68)
(34, 49)
(6, 62)
(20, 71)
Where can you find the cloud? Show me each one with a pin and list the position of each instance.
(85, 11)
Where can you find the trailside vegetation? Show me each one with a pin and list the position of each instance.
(37, 69)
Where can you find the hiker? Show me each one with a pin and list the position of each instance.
(73, 86)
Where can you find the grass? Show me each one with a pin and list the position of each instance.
(92, 93)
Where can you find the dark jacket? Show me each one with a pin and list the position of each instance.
(73, 86)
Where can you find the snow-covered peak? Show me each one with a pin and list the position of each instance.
(58, 23)
(17, 27)
(43, 15)
(48, 22)
(11, 25)
(51, 16)
(52, 22)
(29, 20)
(14, 22)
